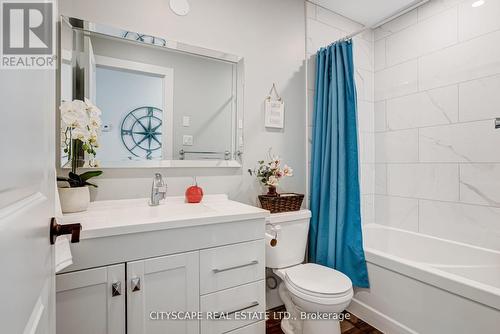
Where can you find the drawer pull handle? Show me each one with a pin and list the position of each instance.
(225, 314)
(135, 284)
(116, 289)
(254, 262)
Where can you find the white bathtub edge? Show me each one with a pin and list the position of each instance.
(458, 285)
(377, 319)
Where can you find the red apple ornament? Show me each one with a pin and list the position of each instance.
(194, 194)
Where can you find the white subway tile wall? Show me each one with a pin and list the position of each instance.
(437, 93)
(323, 27)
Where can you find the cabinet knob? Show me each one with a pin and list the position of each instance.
(116, 289)
(135, 284)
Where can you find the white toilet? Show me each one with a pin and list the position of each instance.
(314, 295)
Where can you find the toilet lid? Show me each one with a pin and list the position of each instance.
(318, 279)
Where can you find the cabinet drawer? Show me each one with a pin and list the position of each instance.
(228, 266)
(239, 301)
(255, 328)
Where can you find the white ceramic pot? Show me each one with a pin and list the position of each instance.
(74, 199)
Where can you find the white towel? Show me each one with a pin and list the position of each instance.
(63, 253)
(63, 257)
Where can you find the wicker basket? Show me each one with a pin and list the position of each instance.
(282, 203)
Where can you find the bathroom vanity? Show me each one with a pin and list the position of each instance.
(134, 263)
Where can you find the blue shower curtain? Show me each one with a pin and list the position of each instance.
(335, 238)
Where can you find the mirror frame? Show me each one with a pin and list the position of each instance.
(87, 27)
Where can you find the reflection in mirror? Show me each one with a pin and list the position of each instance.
(161, 102)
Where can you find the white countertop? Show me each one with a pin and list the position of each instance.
(109, 218)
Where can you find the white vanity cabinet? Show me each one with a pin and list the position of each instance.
(124, 274)
(164, 284)
(91, 301)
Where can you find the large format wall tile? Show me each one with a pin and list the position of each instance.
(428, 181)
(475, 21)
(320, 35)
(310, 10)
(379, 54)
(366, 121)
(362, 53)
(433, 107)
(476, 225)
(380, 116)
(480, 184)
(437, 81)
(367, 209)
(396, 146)
(464, 142)
(480, 99)
(473, 59)
(423, 37)
(367, 178)
(364, 84)
(396, 80)
(366, 146)
(335, 20)
(397, 212)
(396, 25)
(380, 179)
(434, 7)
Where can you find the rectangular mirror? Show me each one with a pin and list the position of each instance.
(163, 103)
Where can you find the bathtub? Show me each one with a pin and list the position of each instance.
(427, 285)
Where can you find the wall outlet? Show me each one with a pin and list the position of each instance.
(186, 121)
(187, 140)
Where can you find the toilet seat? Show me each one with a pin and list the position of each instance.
(319, 284)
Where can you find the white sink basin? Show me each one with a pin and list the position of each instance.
(105, 218)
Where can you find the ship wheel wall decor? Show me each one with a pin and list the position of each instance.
(141, 132)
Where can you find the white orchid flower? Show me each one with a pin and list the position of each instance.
(287, 171)
(272, 181)
(92, 109)
(81, 134)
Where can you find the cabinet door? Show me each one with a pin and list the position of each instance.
(163, 284)
(91, 301)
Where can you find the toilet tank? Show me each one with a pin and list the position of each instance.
(291, 230)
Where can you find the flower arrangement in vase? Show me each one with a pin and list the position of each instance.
(80, 127)
(270, 172)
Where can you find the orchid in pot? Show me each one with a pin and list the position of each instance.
(80, 127)
(270, 172)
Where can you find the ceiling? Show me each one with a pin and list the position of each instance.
(367, 12)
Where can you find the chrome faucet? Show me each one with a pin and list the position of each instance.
(158, 190)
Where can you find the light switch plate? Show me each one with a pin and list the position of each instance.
(240, 124)
(186, 121)
(187, 140)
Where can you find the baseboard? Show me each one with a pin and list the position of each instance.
(376, 319)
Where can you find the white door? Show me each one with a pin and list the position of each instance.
(27, 189)
(91, 301)
(163, 284)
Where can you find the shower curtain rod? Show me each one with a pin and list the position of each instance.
(387, 19)
(348, 37)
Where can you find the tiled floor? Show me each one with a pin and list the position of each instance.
(352, 326)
